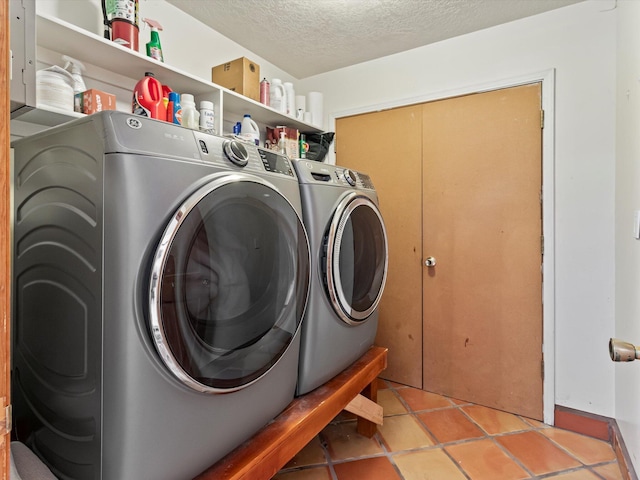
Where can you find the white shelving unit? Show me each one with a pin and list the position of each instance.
(57, 35)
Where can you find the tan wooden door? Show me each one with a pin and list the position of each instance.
(482, 223)
(468, 195)
(388, 146)
(5, 279)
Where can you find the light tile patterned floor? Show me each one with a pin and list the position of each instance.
(426, 436)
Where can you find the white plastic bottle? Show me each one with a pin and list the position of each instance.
(250, 130)
(290, 98)
(277, 96)
(190, 116)
(282, 143)
(75, 67)
(207, 118)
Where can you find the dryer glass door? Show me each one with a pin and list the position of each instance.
(229, 284)
(356, 258)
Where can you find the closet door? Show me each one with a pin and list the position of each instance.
(387, 146)
(482, 223)
(467, 195)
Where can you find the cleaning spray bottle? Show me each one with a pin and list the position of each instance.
(154, 49)
(75, 68)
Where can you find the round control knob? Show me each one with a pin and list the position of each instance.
(350, 177)
(236, 152)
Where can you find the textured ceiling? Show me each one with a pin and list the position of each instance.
(308, 37)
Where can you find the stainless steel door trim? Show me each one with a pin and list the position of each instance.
(159, 262)
(339, 302)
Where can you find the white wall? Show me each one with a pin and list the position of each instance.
(579, 43)
(627, 203)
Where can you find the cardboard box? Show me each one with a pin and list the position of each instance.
(92, 101)
(240, 75)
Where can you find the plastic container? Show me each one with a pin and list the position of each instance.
(54, 88)
(250, 130)
(290, 99)
(207, 117)
(122, 16)
(125, 33)
(75, 67)
(147, 98)
(277, 96)
(282, 143)
(174, 109)
(303, 146)
(165, 98)
(190, 116)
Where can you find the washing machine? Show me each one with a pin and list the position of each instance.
(160, 280)
(348, 244)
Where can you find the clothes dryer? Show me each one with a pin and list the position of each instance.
(348, 244)
(160, 277)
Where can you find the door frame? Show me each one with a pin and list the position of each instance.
(5, 243)
(547, 79)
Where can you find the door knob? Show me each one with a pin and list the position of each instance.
(621, 351)
(430, 262)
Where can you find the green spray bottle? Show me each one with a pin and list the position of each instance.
(154, 49)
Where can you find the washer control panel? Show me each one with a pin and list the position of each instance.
(231, 152)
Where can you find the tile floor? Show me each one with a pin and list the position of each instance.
(426, 436)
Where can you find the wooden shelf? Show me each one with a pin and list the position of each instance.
(271, 448)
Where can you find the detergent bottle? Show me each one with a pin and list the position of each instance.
(174, 110)
(147, 98)
(250, 130)
(277, 96)
(154, 49)
(166, 90)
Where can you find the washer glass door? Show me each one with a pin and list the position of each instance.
(229, 284)
(356, 258)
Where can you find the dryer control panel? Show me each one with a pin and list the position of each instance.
(310, 172)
